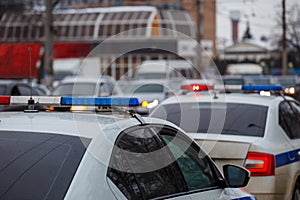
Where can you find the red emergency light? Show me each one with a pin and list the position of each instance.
(4, 100)
(196, 87)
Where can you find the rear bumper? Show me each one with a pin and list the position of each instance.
(268, 187)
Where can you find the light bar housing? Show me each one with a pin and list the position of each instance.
(69, 101)
(258, 88)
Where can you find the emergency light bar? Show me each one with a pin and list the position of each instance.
(196, 87)
(249, 87)
(262, 87)
(200, 87)
(69, 101)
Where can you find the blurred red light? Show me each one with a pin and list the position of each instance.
(4, 100)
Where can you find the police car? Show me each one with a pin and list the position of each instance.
(261, 133)
(110, 154)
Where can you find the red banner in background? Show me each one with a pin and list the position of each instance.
(15, 57)
(18, 59)
(71, 50)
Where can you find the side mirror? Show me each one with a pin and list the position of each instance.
(169, 93)
(236, 176)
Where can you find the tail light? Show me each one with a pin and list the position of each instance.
(260, 164)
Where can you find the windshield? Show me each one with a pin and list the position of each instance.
(233, 81)
(145, 88)
(61, 75)
(287, 82)
(78, 89)
(38, 165)
(150, 76)
(241, 119)
(261, 81)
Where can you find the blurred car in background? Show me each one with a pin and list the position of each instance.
(258, 132)
(165, 69)
(233, 80)
(286, 81)
(244, 69)
(259, 80)
(21, 88)
(41, 89)
(18, 88)
(149, 92)
(84, 86)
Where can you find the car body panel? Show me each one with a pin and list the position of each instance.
(275, 141)
(90, 180)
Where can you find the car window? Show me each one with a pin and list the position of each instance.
(140, 174)
(105, 89)
(142, 76)
(77, 89)
(233, 81)
(192, 169)
(145, 88)
(2, 90)
(289, 118)
(26, 90)
(38, 165)
(40, 91)
(251, 118)
(194, 166)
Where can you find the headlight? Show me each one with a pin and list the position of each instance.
(146, 104)
(290, 90)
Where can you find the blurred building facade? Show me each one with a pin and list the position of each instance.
(203, 13)
(195, 19)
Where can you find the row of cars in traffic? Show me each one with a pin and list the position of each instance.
(199, 142)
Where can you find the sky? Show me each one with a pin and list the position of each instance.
(261, 14)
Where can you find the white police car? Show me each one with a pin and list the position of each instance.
(80, 155)
(261, 133)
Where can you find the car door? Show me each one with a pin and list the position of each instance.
(289, 119)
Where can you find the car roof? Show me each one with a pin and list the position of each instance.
(9, 81)
(85, 124)
(102, 130)
(201, 81)
(56, 122)
(255, 99)
(82, 80)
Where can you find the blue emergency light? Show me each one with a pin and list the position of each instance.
(262, 88)
(99, 101)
